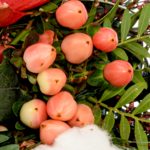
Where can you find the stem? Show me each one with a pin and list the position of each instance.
(20, 36)
(91, 99)
(134, 39)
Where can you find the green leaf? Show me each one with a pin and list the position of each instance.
(125, 24)
(131, 93)
(140, 136)
(101, 65)
(144, 19)
(137, 48)
(39, 25)
(84, 101)
(110, 92)
(9, 88)
(69, 88)
(19, 126)
(16, 107)
(138, 56)
(143, 106)
(32, 78)
(97, 115)
(92, 30)
(16, 61)
(107, 23)
(146, 40)
(3, 138)
(48, 7)
(96, 79)
(10, 147)
(109, 121)
(137, 77)
(112, 12)
(119, 53)
(103, 56)
(134, 18)
(124, 128)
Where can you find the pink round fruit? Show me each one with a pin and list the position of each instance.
(51, 81)
(2, 48)
(77, 47)
(105, 39)
(72, 14)
(33, 113)
(47, 37)
(3, 128)
(61, 106)
(39, 57)
(50, 129)
(82, 117)
(118, 73)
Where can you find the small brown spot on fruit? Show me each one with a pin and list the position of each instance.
(41, 64)
(43, 126)
(36, 109)
(87, 42)
(58, 115)
(129, 70)
(53, 49)
(80, 11)
(31, 124)
(56, 80)
(112, 40)
(82, 123)
(91, 129)
(77, 119)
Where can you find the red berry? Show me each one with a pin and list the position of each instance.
(105, 39)
(118, 73)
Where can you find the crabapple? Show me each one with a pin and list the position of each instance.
(50, 129)
(3, 128)
(72, 14)
(47, 37)
(51, 81)
(105, 39)
(118, 73)
(77, 47)
(82, 117)
(39, 57)
(61, 106)
(2, 48)
(33, 113)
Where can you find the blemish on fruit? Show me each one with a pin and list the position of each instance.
(41, 64)
(77, 119)
(112, 40)
(53, 49)
(58, 115)
(36, 109)
(43, 126)
(88, 42)
(31, 124)
(56, 80)
(80, 11)
(82, 123)
(129, 70)
(91, 129)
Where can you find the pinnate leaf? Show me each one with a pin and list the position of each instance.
(124, 128)
(144, 19)
(131, 93)
(140, 136)
(143, 106)
(109, 121)
(125, 25)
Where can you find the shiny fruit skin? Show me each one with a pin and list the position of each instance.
(39, 57)
(33, 113)
(118, 73)
(77, 47)
(47, 37)
(50, 129)
(82, 117)
(72, 14)
(51, 81)
(3, 128)
(105, 39)
(61, 106)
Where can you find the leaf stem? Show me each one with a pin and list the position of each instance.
(133, 39)
(91, 99)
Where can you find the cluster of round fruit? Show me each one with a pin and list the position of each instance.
(63, 111)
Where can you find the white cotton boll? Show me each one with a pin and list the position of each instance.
(90, 137)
